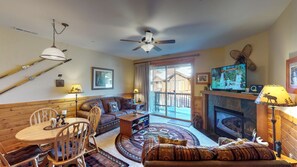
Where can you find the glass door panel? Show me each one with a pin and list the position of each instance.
(157, 90)
(170, 91)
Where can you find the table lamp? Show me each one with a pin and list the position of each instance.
(274, 95)
(75, 89)
(136, 91)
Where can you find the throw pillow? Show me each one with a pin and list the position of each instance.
(127, 103)
(242, 152)
(113, 106)
(164, 140)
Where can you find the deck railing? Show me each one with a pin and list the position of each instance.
(182, 99)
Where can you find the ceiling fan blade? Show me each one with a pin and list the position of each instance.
(138, 47)
(157, 48)
(165, 41)
(129, 40)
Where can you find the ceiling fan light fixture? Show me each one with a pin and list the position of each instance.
(147, 47)
(53, 53)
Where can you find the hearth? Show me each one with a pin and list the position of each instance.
(232, 124)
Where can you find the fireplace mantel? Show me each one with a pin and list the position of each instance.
(261, 110)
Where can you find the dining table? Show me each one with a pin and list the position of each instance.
(41, 133)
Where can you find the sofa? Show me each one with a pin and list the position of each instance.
(111, 109)
(246, 155)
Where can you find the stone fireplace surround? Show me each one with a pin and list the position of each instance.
(242, 103)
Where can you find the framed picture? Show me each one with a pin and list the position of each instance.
(102, 78)
(203, 78)
(291, 75)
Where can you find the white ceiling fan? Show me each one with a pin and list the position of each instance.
(148, 42)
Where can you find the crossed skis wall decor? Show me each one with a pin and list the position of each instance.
(32, 77)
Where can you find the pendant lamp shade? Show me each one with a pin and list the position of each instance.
(53, 53)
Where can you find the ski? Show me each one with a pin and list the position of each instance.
(23, 67)
(32, 77)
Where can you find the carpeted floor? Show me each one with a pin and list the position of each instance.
(179, 122)
(131, 148)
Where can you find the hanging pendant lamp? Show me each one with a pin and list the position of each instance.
(53, 53)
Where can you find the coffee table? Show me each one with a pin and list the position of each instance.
(132, 123)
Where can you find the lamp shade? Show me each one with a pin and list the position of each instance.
(147, 47)
(76, 88)
(136, 91)
(275, 95)
(53, 53)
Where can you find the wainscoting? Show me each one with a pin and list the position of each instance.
(15, 117)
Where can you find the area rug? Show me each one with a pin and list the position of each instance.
(94, 159)
(131, 148)
(179, 122)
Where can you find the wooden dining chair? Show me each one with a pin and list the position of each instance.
(19, 157)
(42, 115)
(69, 145)
(94, 118)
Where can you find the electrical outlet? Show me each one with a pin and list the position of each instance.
(291, 155)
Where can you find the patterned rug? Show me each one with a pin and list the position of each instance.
(131, 148)
(94, 159)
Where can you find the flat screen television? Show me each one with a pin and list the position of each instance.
(232, 77)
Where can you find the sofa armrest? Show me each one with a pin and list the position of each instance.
(147, 146)
(82, 114)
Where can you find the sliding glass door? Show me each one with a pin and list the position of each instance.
(170, 91)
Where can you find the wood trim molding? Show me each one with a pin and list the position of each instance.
(168, 57)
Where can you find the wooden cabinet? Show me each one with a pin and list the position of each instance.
(130, 124)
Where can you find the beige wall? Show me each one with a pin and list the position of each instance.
(283, 45)
(220, 57)
(259, 56)
(17, 48)
(206, 60)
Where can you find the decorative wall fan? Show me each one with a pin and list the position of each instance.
(244, 57)
(148, 42)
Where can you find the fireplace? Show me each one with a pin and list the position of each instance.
(232, 124)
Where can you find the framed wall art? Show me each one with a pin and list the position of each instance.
(102, 78)
(203, 78)
(291, 75)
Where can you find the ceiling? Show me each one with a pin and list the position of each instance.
(100, 24)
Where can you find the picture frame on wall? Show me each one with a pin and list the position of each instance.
(203, 78)
(102, 78)
(291, 75)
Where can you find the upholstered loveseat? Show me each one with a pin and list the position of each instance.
(111, 109)
(245, 155)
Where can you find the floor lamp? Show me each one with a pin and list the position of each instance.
(76, 89)
(274, 95)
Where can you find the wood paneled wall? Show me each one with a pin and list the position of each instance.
(15, 117)
(286, 132)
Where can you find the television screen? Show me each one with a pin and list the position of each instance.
(232, 77)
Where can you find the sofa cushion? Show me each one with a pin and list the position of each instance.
(105, 103)
(170, 152)
(105, 118)
(164, 140)
(242, 152)
(118, 113)
(113, 106)
(88, 105)
(128, 111)
(127, 103)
